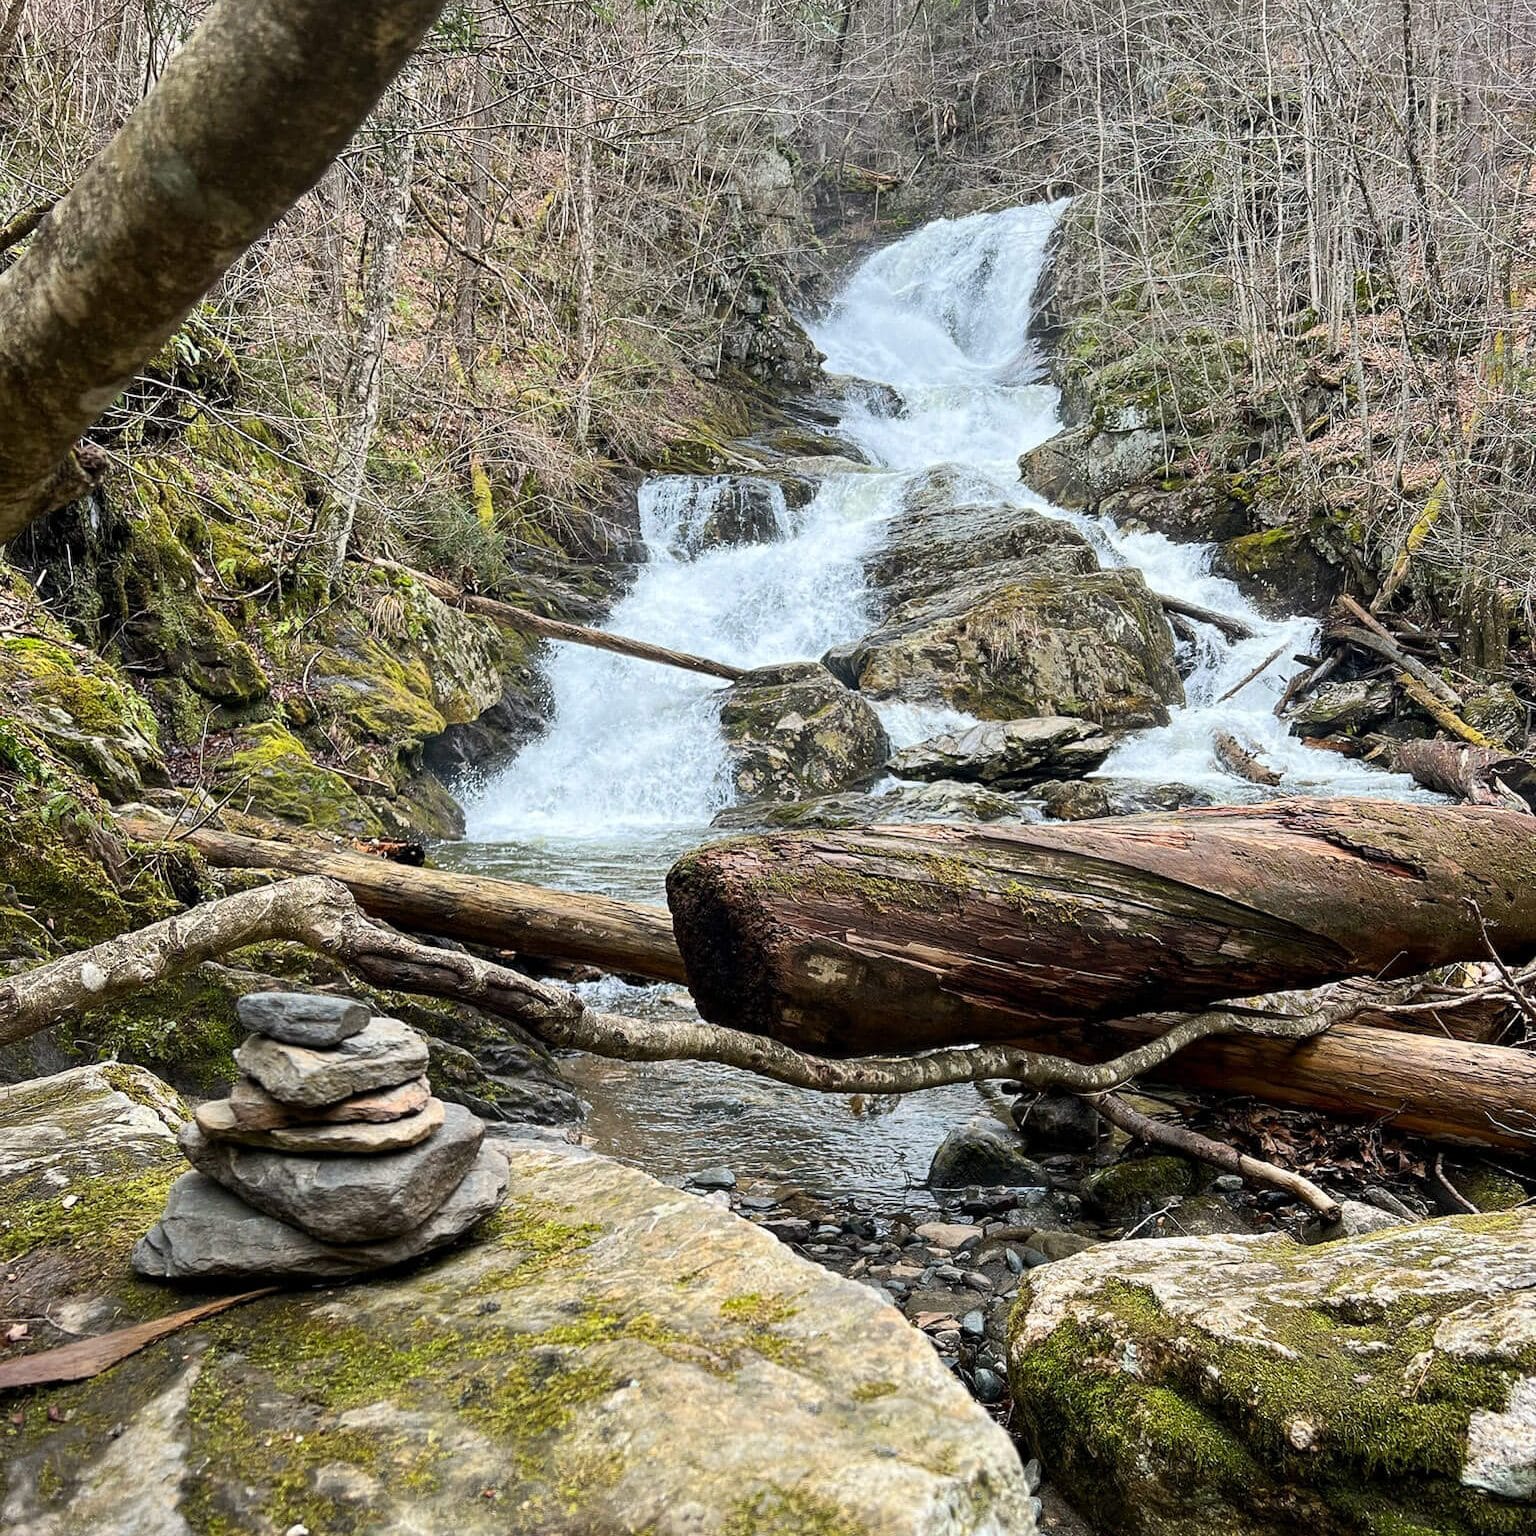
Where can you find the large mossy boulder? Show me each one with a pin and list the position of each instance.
(1094, 646)
(603, 1355)
(1001, 611)
(1382, 1385)
(795, 731)
(951, 533)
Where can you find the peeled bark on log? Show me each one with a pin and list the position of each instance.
(1473, 775)
(905, 938)
(554, 925)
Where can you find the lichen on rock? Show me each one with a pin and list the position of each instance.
(605, 1355)
(1374, 1386)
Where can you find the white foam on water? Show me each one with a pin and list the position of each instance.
(943, 316)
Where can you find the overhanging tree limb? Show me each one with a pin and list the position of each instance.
(244, 120)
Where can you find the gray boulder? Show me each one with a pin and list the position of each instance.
(1092, 646)
(1082, 465)
(1008, 753)
(384, 1055)
(953, 532)
(944, 800)
(794, 731)
(984, 1151)
(207, 1233)
(604, 1355)
(1087, 799)
(345, 1199)
(1342, 709)
(1250, 1385)
(314, 1019)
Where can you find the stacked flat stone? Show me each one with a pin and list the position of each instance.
(330, 1157)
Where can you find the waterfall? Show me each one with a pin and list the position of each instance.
(634, 753)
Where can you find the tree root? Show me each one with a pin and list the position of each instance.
(322, 915)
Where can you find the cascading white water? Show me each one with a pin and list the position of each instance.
(634, 755)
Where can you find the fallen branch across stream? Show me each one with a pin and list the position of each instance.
(323, 916)
(1308, 1053)
(525, 621)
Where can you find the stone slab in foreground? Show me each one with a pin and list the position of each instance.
(1382, 1384)
(605, 1355)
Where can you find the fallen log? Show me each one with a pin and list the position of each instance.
(1231, 626)
(553, 925)
(1242, 761)
(1423, 1086)
(906, 938)
(1473, 775)
(1447, 1090)
(524, 621)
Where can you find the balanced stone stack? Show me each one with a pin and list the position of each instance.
(330, 1157)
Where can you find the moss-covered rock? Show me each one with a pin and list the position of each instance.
(1281, 570)
(794, 731)
(602, 1356)
(1248, 1386)
(270, 771)
(951, 529)
(1130, 1189)
(1093, 646)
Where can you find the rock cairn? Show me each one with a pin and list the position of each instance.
(330, 1157)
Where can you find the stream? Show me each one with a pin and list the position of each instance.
(633, 767)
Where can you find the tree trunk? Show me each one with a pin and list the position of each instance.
(477, 196)
(391, 206)
(247, 116)
(10, 31)
(554, 925)
(914, 937)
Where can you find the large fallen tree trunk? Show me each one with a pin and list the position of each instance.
(552, 925)
(913, 937)
(1491, 1102)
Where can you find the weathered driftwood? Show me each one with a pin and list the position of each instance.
(1230, 625)
(1179, 1138)
(905, 938)
(526, 622)
(1243, 761)
(553, 925)
(252, 108)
